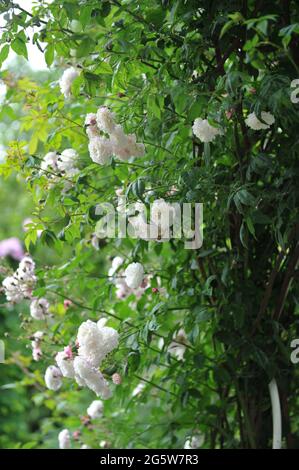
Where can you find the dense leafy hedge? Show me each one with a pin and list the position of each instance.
(161, 67)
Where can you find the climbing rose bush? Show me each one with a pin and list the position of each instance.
(135, 342)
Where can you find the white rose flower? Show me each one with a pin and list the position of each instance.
(66, 81)
(204, 131)
(12, 289)
(134, 275)
(100, 150)
(105, 119)
(65, 364)
(25, 277)
(67, 161)
(37, 353)
(95, 409)
(254, 123)
(90, 343)
(64, 439)
(49, 162)
(116, 263)
(27, 264)
(125, 146)
(109, 340)
(53, 378)
(39, 308)
(90, 377)
(37, 337)
(95, 343)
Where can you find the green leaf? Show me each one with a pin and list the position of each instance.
(4, 53)
(19, 47)
(49, 54)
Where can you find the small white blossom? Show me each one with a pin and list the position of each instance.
(38, 336)
(254, 123)
(95, 409)
(49, 162)
(67, 161)
(177, 347)
(37, 354)
(204, 131)
(115, 265)
(27, 264)
(66, 81)
(85, 446)
(35, 344)
(104, 445)
(53, 378)
(134, 275)
(64, 439)
(39, 308)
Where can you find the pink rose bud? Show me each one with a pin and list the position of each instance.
(229, 113)
(77, 344)
(67, 303)
(155, 290)
(68, 352)
(116, 379)
(76, 435)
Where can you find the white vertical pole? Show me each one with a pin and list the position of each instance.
(276, 414)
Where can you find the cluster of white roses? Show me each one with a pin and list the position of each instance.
(64, 163)
(119, 144)
(19, 286)
(128, 281)
(95, 341)
(205, 132)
